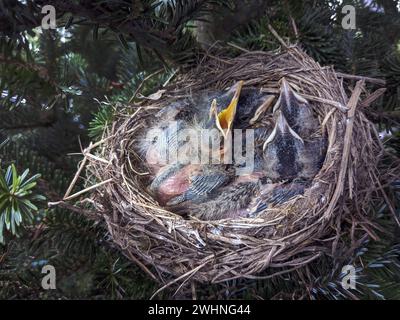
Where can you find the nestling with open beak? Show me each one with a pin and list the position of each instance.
(296, 110)
(207, 178)
(281, 151)
(185, 180)
(212, 191)
(245, 110)
(296, 148)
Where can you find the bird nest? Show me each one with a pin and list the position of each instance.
(331, 219)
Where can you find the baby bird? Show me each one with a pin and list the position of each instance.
(243, 199)
(231, 201)
(271, 195)
(160, 142)
(247, 108)
(296, 148)
(282, 151)
(296, 110)
(201, 184)
(184, 178)
(211, 177)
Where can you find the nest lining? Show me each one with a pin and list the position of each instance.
(329, 219)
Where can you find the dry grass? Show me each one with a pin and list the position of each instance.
(332, 217)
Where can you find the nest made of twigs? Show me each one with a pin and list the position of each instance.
(329, 219)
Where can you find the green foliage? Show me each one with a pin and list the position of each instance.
(17, 200)
(116, 276)
(101, 120)
(21, 77)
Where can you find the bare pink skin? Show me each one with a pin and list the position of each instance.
(176, 184)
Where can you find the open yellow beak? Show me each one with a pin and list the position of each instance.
(225, 118)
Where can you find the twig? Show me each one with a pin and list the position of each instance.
(277, 36)
(142, 266)
(70, 207)
(73, 182)
(238, 47)
(372, 97)
(170, 78)
(194, 295)
(292, 21)
(88, 189)
(352, 104)
(335, 104)
(89, 155)
(142, 83)
(366, 79)
(187, 274)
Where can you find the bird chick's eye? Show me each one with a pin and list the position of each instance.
(154, 140)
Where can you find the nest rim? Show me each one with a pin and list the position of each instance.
(175, 250)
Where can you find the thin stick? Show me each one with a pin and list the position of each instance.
(372, 97)
(335, 104)
(238, 47)
(366, 79)
(87, 189)
(89, 155)
(276, 35)
(101, 142)
(187, 274)
(194, 295)
(70, 207)
(73, 182)
(170, 78)
(352, 104)
(142, 83)
(142, 266)
(292, 21)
